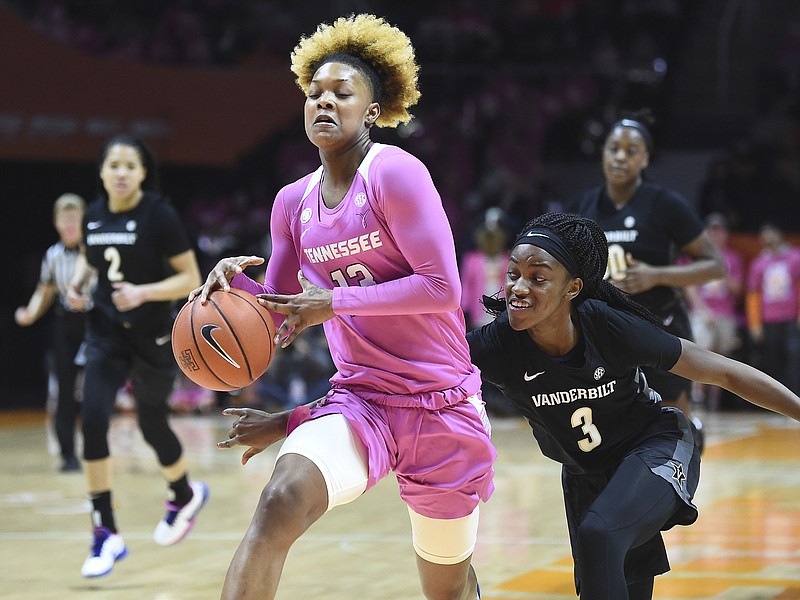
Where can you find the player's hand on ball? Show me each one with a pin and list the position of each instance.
(253, 428)
(221, 275)
(314, 305)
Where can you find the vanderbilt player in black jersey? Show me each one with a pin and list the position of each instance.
(647, 226)
(137, 246)
(567, 349)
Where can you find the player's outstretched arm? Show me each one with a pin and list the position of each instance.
(704, 366)
(41, 300)
(255, 429)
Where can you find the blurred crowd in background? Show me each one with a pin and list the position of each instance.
(507, 88)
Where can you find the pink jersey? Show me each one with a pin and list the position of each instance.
(776, 277)
(387, 252)
(716, 294)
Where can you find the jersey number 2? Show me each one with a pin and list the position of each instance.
(583, 418)
(111, 254)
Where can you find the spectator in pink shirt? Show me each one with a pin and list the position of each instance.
(715, 306)
(483, 269)
(773, 306)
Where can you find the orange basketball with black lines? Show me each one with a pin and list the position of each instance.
(226, 343)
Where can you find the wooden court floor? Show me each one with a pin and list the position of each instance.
(745, 545)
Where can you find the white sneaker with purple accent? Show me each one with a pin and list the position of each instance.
(107, 548)
(179, 520)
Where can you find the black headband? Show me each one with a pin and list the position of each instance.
(638, 126)
(550, 242)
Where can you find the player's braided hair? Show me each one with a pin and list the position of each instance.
(382, 53)
(588, 245)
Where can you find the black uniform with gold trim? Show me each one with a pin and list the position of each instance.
(592, 409)
(133, 246)
(652, 227)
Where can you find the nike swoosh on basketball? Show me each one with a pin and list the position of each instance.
(207, 331)
(160, 341)
(532, 377)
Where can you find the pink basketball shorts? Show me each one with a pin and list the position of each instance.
(442, 459)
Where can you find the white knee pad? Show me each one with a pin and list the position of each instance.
(444, 541)
(337, 452)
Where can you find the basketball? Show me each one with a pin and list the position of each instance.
(226, 343)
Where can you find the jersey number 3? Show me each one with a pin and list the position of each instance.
(583, 418)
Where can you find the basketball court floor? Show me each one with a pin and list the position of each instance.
(745, 545)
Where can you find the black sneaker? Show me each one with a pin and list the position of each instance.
(70, 465)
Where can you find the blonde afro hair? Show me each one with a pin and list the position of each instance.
(381, 46)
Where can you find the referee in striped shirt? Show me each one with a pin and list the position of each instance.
(69, 325)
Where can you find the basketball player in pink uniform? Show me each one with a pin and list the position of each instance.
(363, 247)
